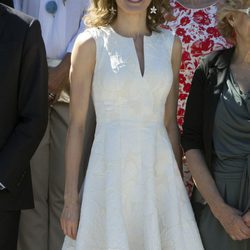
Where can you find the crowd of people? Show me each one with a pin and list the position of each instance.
(125, 125)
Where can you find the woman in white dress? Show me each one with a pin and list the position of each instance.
(133, 196)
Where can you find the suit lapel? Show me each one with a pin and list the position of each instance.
(219, 75)
(2, 13)
(7, 2)
(3, 17)
(217, 79)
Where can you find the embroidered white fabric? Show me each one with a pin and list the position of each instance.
(134, 197)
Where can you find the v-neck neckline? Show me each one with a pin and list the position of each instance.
(143, 68)
(134, 51)
(243, 94)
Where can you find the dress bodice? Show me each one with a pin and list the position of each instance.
(119, 90)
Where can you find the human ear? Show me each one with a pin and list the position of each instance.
(231, 18)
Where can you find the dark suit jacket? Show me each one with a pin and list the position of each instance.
(207, 85)
(23, 104)
(7, 2)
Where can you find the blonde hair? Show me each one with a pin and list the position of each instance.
(224, 11)
(99, 13)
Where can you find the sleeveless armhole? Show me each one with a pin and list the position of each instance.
(95, 34)
(168, 39)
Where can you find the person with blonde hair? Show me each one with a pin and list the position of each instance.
(133, 194)
(216, 136)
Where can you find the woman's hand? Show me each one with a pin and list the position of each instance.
(246, 218)
(70, 219)
(232, 221)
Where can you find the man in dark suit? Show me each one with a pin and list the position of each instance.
(23, 115)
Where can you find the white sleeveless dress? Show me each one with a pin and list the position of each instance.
(134, 197)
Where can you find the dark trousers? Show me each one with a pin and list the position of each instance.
(9, 222)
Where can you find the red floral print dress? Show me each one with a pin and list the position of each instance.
(197, 31)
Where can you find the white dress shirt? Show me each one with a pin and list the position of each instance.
(58, 30)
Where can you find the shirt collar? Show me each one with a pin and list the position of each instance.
(225, 59)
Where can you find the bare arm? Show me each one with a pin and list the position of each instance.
(229, 217)
(171, 104)
(204, 181)
(81, 73)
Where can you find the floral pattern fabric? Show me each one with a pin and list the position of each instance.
(197, 31)
(199, 35)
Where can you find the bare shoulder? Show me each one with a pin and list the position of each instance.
(83, 58)
(85, 38)
(177, 46)
(85, 46)
(177, 51)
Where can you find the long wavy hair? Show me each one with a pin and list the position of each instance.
(99, 13)
(224, 12)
